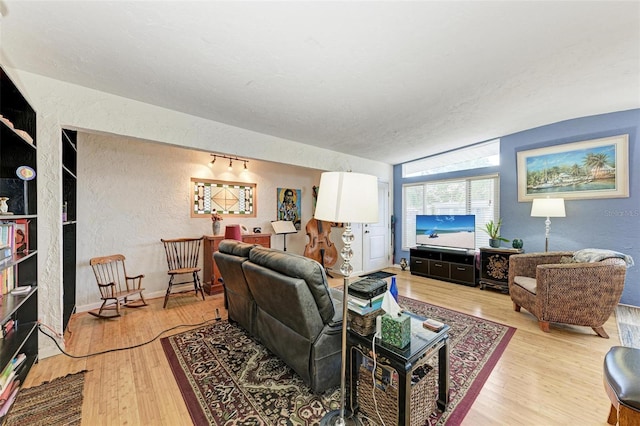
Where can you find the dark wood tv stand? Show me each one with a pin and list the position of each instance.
(458, 266)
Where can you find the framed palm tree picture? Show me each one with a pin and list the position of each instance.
(597, 168)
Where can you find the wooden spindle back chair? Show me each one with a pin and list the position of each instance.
(116, 287)
(182, 259)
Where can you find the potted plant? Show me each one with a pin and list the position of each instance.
(493, 230)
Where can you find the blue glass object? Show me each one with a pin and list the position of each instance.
(394, 288)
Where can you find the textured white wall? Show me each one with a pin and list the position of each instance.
(132, 193)
(59, 104)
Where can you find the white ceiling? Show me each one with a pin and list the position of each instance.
(389, 81)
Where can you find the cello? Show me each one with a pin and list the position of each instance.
(320, 248)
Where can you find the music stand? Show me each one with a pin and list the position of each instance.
(284, 227)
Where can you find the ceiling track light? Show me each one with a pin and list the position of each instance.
(231, 160)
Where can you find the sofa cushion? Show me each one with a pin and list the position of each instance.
(297, 266)
(236, 248)
(239, 300)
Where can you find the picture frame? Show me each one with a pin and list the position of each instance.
(222, 197)
(289, 206)
(21, 238)
(597, 168)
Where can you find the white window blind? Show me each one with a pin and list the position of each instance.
(474, 195)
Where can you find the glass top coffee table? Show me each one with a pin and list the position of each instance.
(424, 343)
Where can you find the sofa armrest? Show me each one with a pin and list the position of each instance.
(336, 298)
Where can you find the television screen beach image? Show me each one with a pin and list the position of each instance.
(455, 231)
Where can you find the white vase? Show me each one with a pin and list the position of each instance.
(216, 228)
(4, 207)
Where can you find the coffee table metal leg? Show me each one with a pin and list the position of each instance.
(443, 375)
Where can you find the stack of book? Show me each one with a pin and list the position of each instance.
(9, 384)
(5, 253)
(8, 327)
(365, 306)
(7, 240)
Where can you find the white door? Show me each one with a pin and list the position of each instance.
(376, 236)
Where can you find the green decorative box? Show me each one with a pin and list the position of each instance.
(396, 330)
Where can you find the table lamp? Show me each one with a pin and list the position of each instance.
(350, 198)
(547, 207)
(233, 232)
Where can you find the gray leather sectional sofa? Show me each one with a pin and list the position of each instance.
(283, 300)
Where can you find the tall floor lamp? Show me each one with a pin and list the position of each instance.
(350, 198)
(547, 207)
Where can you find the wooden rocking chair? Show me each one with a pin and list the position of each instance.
(116, 287)
(182, 259)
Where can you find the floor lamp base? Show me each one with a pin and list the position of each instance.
(332, 418)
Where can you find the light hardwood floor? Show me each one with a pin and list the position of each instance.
(541, 379)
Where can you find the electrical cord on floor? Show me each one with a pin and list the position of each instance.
(373, 376)
(41, 325)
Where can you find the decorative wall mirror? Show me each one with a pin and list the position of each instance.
(226, 198)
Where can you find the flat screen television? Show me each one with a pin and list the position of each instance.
(446, 230)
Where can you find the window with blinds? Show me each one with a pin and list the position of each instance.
(485, 154)
(473, 195)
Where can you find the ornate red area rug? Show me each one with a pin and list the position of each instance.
(228, 378)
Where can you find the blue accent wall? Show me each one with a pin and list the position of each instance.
(608, 223)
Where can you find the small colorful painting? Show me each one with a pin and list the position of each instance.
(289, 206)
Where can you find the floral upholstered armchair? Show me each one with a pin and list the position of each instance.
(580, 288)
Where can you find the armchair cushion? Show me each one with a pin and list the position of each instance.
(527, 283)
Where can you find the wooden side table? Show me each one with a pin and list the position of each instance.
(211, 275)
(494, 267)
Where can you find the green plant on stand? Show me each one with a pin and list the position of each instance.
(493, 230)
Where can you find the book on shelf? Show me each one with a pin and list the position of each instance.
(5, 252)
(6, 380)
(9, 373)
(20, 290)
(7, 234)
(4, 396)
(18, 362)
(5, 407)
(7, 280)
(8, 327)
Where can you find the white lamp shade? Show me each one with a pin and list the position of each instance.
(548, 207)
(347, 197)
